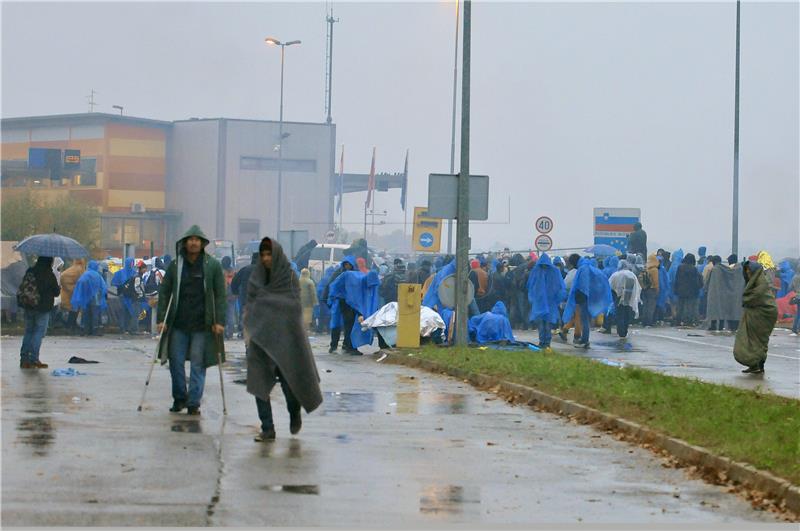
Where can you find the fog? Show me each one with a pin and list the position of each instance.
(574, 105)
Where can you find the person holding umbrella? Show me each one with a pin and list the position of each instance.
(39, 288)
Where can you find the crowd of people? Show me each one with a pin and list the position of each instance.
(194, 301)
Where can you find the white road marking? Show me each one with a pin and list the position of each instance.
(722, 347)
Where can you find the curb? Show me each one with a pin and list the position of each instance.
(782, 490)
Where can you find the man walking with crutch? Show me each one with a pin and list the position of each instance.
(191, 327)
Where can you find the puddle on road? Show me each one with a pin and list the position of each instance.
(36, 432)
(431, 403)
(186, 426)
(616, 346)
(448, 499)
(293, 489)
(335, 402)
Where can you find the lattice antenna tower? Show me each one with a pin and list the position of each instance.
(329, 59)
(90, 100)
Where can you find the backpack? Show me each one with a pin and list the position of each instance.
(151, 285)
(28, 295)
(645, 280)
(128, 289)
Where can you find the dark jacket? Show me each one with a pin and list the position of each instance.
(688, 282)
(239, 281)
(215, 299)
(637, 242)
(46, 284)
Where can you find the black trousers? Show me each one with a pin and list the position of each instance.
(265, 407)
(349, 318)
(624, 319)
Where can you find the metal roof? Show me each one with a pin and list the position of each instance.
(80, 119)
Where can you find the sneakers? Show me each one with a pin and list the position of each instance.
(265, 436)
(193, 410)
(295, 422)
(177, 406)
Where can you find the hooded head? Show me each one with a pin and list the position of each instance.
(652, 261)
(500, 309)
(226, 262)
(573, 260)
(689, 259)
(94, 266)
(701, 251)
(544, 261)
(305, 273)
(196, 232)
(533, 256)
(349, 263)
(750, 269)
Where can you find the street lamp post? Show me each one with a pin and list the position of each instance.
(453, 132)
(275, 42)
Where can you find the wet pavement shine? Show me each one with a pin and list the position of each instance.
(390, 446)
(693, 353)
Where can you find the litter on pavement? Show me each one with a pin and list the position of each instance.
(67, 372)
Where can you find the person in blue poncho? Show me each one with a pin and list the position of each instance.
(591, 293)
(546, 290)
(664, 291)
(431, 299)
(786, 274)
(353, 295)
(322, 314)
(125, 282)
(491, 326)
(341, 313)
(89, 297)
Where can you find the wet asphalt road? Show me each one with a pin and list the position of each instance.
(390, 446)
(693, 353)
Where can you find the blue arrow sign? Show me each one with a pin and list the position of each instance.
(426, 239)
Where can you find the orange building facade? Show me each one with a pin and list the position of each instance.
(123, 172)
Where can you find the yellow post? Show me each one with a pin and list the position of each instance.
(408, 308)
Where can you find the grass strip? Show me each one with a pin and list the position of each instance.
(745, 425)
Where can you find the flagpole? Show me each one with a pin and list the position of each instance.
(341, 190)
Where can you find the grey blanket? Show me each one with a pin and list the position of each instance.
(725, 289)
(274, 324)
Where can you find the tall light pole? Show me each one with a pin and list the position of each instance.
(453, 132)
(275, 42)
(735, 235)
(462, 229)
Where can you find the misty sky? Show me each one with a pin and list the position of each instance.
(574, 105)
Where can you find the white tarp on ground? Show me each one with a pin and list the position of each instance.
(429, 320)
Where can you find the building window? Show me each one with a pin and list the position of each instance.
(248, 231)
(111, 233)
(271, 164)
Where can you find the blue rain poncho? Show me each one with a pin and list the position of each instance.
(90, 288)
(491, 326)
(594, 285)
(664, 286)
(322, 307)
(610, 265)
(359, 291)
(786, 275)
(431, 299)
(546, 290)
(333, 302)
(119, 279)
(677, 259)
(447, 315)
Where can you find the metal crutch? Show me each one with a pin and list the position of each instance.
(155, 357)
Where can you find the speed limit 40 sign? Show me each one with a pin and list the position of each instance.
(544, 225)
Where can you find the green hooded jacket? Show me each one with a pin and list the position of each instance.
(215, 298)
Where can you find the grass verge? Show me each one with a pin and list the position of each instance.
(748, 426)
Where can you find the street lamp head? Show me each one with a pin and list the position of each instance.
(272, 41)
(292, 42)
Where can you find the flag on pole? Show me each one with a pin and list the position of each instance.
(405, 184)
(341, 182)
(371, 182)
